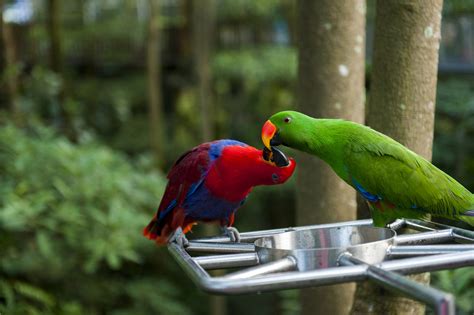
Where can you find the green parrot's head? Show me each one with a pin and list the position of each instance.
(284, 128)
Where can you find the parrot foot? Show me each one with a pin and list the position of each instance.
(179, 238)
(232, 233)
(183, 241)
(397, 224)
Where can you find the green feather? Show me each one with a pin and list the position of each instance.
(409, 185)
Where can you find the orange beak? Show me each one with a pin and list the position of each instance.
(268, 131)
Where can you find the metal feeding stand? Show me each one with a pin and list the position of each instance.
(327, 254)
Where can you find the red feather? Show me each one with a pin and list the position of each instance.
(185, 172)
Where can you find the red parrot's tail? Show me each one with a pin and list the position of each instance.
(161, 230)
(155, 231)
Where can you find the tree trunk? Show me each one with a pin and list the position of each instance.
(12, 69)
(155, 106)
(203, 36)
(53, 25)
(331, 35)
(402, 103)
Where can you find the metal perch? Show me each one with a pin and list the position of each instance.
(327, 254)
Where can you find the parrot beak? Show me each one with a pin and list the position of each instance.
(275, 156)
(270, 139)
(268, 131)
(279, 158)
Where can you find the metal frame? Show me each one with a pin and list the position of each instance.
(411, 253)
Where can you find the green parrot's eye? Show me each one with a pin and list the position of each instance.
(287, 120)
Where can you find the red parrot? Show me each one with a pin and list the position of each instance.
(211, 181)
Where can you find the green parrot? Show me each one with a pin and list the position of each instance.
(395, 181)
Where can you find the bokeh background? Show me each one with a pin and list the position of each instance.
(99, 97)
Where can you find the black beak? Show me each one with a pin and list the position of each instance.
(275, 156)
(275, 141)
(279, 158)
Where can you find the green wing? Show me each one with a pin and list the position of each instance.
(385, 168)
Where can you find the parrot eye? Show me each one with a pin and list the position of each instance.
(287, 120)
(275, 177)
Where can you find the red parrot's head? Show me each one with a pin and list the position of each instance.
(276, 165)
(259, 167)
(239, 168)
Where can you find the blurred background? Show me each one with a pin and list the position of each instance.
(82, 171)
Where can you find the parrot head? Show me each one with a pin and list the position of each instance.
(284, 128)
(252, 167)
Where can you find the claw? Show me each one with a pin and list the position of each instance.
(397, 224)
(233, 234)
(179, 237)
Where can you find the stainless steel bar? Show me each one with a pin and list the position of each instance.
(420, 250)
(442, 303)
(207, 247)
(431, 237)
(295, 279)
(319, 277)
(285, 264)
(227, 261)
(252, 236)
(420, 224)
(463, 239)
(197, 274)
(285, 280)
(429, 263)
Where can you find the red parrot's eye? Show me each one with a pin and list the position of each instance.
(275, 178)
(287, 120)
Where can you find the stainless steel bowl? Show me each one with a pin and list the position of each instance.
(321, 247)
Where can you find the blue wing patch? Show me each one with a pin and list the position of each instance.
(204, 206)
(172, 204)
(217, 147)
(367, 195)
(168, 209)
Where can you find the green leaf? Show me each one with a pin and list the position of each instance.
(34, 293)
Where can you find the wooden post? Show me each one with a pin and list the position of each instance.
(331, 45)
(402, 104)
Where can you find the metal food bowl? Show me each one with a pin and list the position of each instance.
(321, 247)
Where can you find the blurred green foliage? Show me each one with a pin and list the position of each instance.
(453, 151)
(454, 130)
(71, 217)
(458, 7)
(229, 9)
(257, 65)
(458, 282)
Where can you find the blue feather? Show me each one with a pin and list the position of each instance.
(203, 205)
(168, 209)
(367, 195)
(216, 147)
(172, 204)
